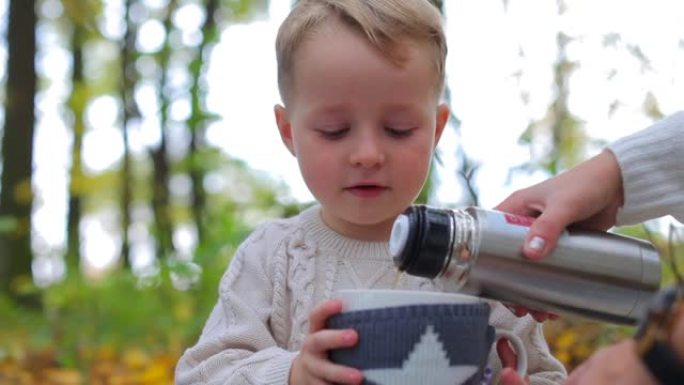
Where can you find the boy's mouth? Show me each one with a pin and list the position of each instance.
(366, 190)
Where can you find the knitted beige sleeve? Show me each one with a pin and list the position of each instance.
(652, 166)
(237, 345)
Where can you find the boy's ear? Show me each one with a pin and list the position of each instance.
(284, 127)
(441, 121)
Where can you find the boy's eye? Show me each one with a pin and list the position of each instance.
(398, 132)
(333, 133)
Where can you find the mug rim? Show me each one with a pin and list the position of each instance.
(365, 299)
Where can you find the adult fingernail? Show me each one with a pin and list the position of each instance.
(537, 243)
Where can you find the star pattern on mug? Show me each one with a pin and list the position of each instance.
(428, 352)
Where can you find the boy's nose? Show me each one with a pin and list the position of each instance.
(367, 153)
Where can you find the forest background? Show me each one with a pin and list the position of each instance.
(126, 188)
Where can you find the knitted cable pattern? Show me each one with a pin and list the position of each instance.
(301, 251)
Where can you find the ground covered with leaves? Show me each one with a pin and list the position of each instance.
(105, 367)
(119, 330)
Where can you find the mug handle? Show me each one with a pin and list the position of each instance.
(519, 348)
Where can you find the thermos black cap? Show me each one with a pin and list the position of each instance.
(420, 241)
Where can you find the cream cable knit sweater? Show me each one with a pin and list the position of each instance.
(278, 274)
(652, 165)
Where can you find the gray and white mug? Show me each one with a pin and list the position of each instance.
(415, 337)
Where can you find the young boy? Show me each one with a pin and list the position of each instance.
(361, 83)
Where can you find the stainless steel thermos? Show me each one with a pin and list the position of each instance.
(594, 274)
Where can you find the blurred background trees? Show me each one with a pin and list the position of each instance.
(174, 208)
(17, 146)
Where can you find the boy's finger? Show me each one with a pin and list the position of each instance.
(538, 315)
(518, 310)
(511, 377)
(322, 312)
(506, 354)
(333, 373)
(327, 339)
(541, 316)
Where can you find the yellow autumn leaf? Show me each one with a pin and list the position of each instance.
(135, 359)
(566, 340)
(583, 351)
(105, 353)
(154, 375)
(64, 376)
(564, 357)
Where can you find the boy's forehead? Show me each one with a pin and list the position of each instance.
(339, 41)
(338, 51)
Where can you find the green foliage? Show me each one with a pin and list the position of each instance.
(428, 187)
(8, 224)
(242, 10)
(83, 12)
(118, 311)
(20, 326)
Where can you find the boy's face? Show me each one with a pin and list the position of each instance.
(362, 128)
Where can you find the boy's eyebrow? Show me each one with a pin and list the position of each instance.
(405, 110)
(400, 107)
(331, 109)
(342, 108)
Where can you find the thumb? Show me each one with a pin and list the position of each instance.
(545, 231)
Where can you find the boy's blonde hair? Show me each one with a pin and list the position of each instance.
(385, 23)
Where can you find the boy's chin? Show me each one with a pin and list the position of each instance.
(363, 225)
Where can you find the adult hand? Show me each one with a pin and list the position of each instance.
(311, 366)
(615, 364)
(587, 195)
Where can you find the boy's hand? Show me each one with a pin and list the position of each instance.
(538, 315)
(311, 367)
(511, 377)
(509, 362)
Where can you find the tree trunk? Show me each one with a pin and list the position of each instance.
(198, 119)
(16, 195)
(128, 111)
(77, 104)
(159, 156)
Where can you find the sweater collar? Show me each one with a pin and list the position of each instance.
(328, 238)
